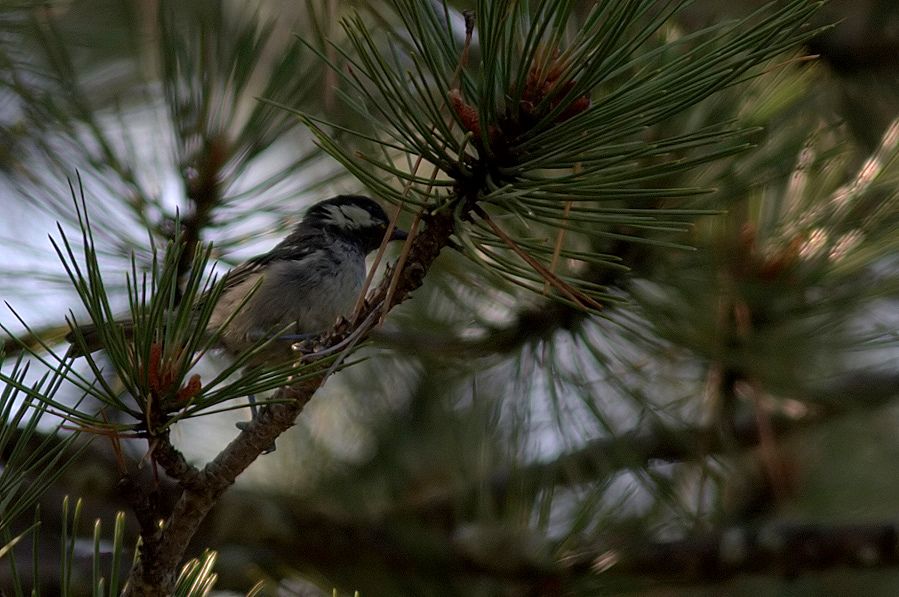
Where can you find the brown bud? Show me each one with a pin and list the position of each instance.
(467, 114)
(190, 389)
(580, 104)
(153, 367)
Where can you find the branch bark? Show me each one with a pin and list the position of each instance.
(155, 572)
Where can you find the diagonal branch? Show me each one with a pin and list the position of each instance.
(605, 456)
(33, 339)
(784, 550)
(161, 552)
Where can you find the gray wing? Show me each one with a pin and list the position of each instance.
(256, 265)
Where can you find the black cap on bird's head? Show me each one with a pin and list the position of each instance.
(353, 217)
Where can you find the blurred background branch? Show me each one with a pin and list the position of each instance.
(666, 343)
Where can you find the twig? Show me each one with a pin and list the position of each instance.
(568, 290)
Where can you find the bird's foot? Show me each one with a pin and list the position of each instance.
(297, 337)
(254, 412)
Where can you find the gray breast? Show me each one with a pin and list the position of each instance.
(308, 294)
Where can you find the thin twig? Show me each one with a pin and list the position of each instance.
(569, 291)
(557, 249)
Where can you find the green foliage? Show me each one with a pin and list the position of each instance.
(34, 459)
(154, 353)
(587, 156)
(196, 578)
(547, 128)
(165, 124)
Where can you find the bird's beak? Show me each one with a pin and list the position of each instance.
(399, 234)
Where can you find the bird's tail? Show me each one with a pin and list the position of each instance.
(90, 338)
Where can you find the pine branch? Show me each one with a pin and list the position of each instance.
(521, 563)
(600, 458)
(786, 550)
(33, 340)
(173, 461)
(161, 552)
(530, 325)
(205, 195)
(528, 145)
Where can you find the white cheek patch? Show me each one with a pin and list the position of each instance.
(335, 216)
(349, 216)
(357, 217)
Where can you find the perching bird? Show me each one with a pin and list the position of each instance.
(306, 282)
(309, 279)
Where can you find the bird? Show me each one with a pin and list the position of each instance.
(305, 284)
(307, 281)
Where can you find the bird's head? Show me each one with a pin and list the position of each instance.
(356, 218)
